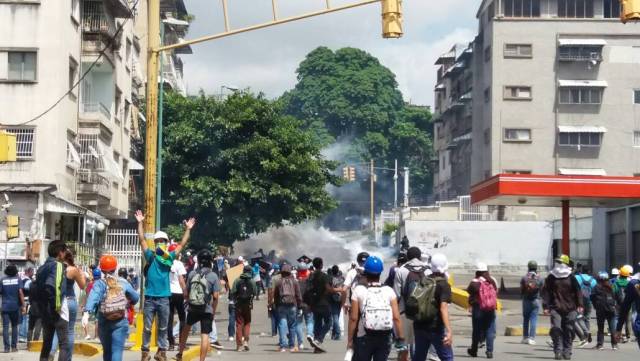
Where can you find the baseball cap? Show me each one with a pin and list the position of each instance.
(161, 235)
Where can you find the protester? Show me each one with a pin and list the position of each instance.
(287, 300)
(402, 259)
(530, 286)
(51, 292)
(157, 285)
(109, 300)
(631, 300)
(271, 304)
(231, 308)
(374, 313)
(335, 304)
(25, 280)
(318, 294)
(483, 292)
(604, 302)
(431, 323)
(134, 279)
(620, 290)
(73, 276)
(203, 289)
(562, 300)
(587, 283)
(178, 291)
(304, 320)
(35, 319)
(131, 313)
(96, 277)
(257, 280)
(13, 306)
(406, 279)
(243, 292)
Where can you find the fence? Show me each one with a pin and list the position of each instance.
(469, 212)
(124, 245)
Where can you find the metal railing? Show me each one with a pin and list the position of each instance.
(95, 20)
(98, 183)
(96, 107)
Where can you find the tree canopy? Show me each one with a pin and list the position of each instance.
(240, 166)
(348, 93)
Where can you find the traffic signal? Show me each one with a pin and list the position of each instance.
(13, 227)
(345, 173)
(391, 19)
(7, 147)
(630, 10)
(352, 174)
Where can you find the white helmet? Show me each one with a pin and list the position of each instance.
(481, 267)
(161, 235)
(439, 263)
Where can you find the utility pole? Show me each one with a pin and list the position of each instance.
(372, 176)
(395, 185)
(406, 187)
(160, 137)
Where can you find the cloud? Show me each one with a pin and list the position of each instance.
(266, 60)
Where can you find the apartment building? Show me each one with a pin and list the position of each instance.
(555, 90)
(175, 25)
(74, 130)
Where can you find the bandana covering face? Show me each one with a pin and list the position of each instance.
(162, 255)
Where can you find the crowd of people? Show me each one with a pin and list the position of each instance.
(307, 303)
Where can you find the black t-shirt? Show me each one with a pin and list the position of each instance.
(443, 294)
(319, 282)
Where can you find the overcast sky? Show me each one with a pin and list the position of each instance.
(266, 60)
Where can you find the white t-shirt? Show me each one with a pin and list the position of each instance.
(360, 295)
(350, 277)
(177, 269)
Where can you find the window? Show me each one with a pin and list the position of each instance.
(487, 53)
(487, 95)
(22, 66)
(24, 142)
(521, 8)
(73, 75)
(636, 138)
(636, 96)
(573, 95)
(577, 53)
(517, 92)
(575, 9)
(611, 9)
(517, 135)
(580, 139)
(75, 10)
(518, 51)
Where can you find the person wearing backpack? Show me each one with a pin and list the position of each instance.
(428, 307)
(51, 293)
(243, 292)
(530, 286)
(319, 292)
(335, 298)
(631, 301)
(483, 292)
(587, 283)
(604, 302)
(620, 290)
(202, 293)
(109, 300)
(157, 287)
(13, 305)
(562, 300)
(287, 299)
(374, 314)
(272, 311)
(405, 280)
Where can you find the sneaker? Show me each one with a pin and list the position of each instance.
(312, 342)
(161, 355)
(489, 354)
(178, 356)
(558, 356)
(294, 350)
(481, 345)
(301, 347)
(282, 349)
(13, 349)
(217, 345)
(231, 339)
(245, 345)
(531, 342)
(614, 347)
(525, 341)
(87, 337)
(146, 356)
(550, 343)
(317, 350)
(239, 349)
(583, 343)
(566, 356)
(589, 338)
(599, 347)
(472, 353)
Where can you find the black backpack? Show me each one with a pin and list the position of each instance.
(244, 292)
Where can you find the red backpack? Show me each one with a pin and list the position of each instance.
(487, 296)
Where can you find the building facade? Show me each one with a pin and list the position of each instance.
(555, 91)
(72, 79)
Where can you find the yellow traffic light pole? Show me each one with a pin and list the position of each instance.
(391, 28)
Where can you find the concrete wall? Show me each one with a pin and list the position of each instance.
(500, 244)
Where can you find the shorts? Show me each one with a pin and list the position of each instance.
(205, 319)
(243, 313)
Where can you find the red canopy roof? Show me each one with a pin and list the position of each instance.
(551, 190)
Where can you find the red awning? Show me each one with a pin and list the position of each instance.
(551, 190)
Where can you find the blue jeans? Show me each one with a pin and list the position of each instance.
(155, 306)
(231, 329)
(10, 318)
(484, 327)
(73, 314)
(372, 348)
(427, 338)
(287, 325)
(336, 329)
(322, 325)
(530, 309)
(24, 327)
(113, 335)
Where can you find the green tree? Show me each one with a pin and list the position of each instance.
(240, 166)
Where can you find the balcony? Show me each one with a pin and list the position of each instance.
(98, 27)
(93, 188)
(96, 115)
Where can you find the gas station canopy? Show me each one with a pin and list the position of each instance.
(552, 190)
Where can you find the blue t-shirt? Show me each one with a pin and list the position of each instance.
(9, 287)
(157, 282)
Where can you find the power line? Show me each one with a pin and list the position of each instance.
(102, 53)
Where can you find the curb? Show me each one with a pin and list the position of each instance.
(79, 348)
(517, 331)
(190, 354)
